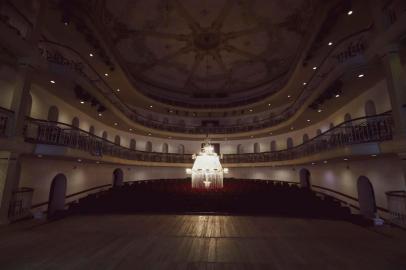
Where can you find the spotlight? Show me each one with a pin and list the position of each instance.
(314, 68)
(91, 54)
(330, 43)
(350, 12)
(361, 76)
(53, 82)
(82, 102)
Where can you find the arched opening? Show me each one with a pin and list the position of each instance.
(75, 122)
(148, 147)
(318, 132)
(305, 138)
(57, 195)
(181, 149)
(240, 149)
(53, 114)
(289, 143)
(165, 148)
(118, 177)
(91, 130)
(366, 197)
(331, 126)
(305, 179)
(105, 135)
(347, 120)
(273, 146)
(133, 144)
(257, 148)
(370, 108)
(117, 140)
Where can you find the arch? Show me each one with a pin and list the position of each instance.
(53, 114)
(370, 108)
(289, 143)
(257, 148)
(165, 148)
(305, 138)
(75, 122)
(318, 132)
(91, 130)
(117, 140)
(240, 149)
(105, 135)
(273, 146)
(331, 126)
(181, 149)
(148, 146)
(57, 194)
(118, 177)
(305, 179)
(133, 144)
(366, 197)
(347, 119)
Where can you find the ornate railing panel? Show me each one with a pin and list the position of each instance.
(362, 130)
(397, 207)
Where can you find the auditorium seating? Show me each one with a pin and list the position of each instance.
(246, 197)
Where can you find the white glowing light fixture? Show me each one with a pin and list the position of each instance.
(207, 172)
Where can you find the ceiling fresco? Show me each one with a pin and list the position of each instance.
(208, 51)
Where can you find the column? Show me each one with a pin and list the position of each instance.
(11, 165)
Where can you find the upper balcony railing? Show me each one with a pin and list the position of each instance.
(347, 50)
(362, 130)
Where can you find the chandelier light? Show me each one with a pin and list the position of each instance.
(207, 172)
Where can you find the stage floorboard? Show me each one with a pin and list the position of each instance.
(199, 242)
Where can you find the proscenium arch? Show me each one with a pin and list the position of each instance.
(366, 197)
(118, 177)
(57, 194)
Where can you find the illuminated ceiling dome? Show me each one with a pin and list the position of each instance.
(210, 52)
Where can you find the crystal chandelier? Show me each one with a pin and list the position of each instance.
(207, 172)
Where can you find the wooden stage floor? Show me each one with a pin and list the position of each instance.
(198, 242)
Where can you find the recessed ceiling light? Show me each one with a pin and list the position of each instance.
(106, 74)
(52, 82)
(150, 106)
(100, 114)
(79, 160)
(118, 90)
(305, 83)
(149, 134)
(314, 68)
(325, 162)
(252, 136)
(82, 102)
(270, 133)
(330, 43)
(130, 129)
(169, 137)
(338, 95)
(91, 54)
(269, 104)
(361, 75)
(308, 120)
(40, 156)
(350, 12)
(313, 163)
(346, 159)
(116, 124)
(319, 110)
(66, 23)
(373, 155)
(289, 96)
(292, 128)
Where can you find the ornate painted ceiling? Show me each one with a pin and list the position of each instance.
(208, 51)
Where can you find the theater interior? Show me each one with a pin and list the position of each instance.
(203, 134)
